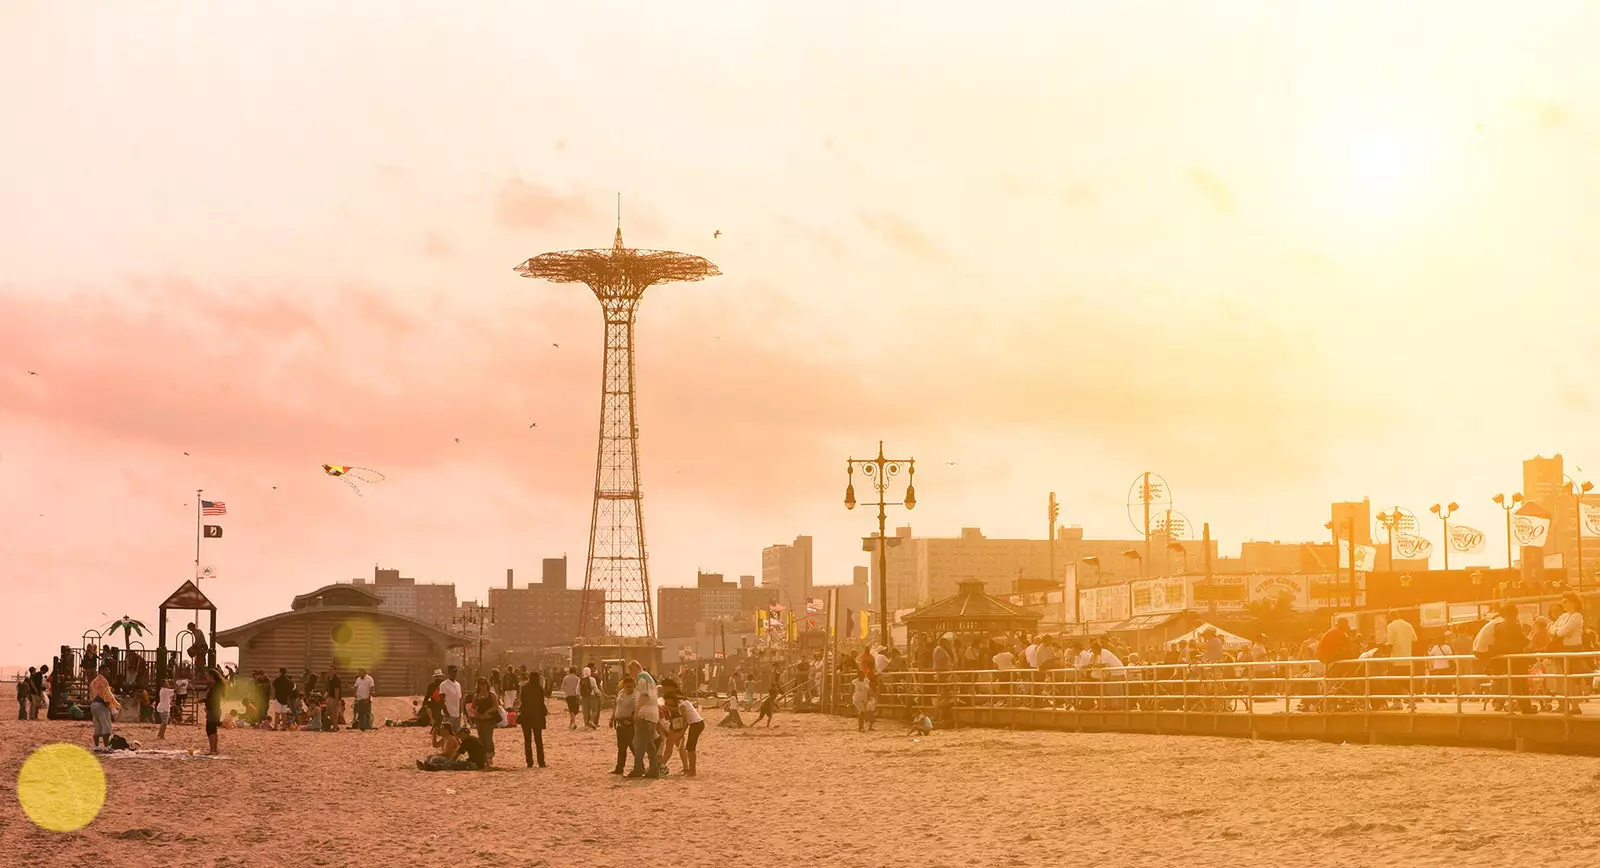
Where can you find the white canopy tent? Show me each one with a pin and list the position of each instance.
(1229, 640)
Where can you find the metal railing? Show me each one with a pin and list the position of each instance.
(1561, 683)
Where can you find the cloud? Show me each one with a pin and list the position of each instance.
(524, 205)
(1216, 192)
(902, 233)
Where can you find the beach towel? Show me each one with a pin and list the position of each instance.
(154, 754)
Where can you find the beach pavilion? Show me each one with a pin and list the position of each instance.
(343, 626)
(972, 613)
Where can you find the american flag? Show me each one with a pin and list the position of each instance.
(209, 508)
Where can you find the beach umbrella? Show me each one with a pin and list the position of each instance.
(128, 626)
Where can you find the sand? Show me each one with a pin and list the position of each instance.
(812, 791)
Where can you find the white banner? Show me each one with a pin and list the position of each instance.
(1409, 547)
(1366, 557)
(1530, 530)
(1591, 519)
(1553, 562)
(1466, 540)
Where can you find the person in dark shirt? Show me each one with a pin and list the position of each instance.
(335, 698)
(282, 696)
(214, 707)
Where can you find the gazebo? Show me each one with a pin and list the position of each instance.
(973, 612)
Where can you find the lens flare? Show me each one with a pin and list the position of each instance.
(359, 643)
(61, 787)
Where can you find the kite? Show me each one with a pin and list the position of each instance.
(345, 473)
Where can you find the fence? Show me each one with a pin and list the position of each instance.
(1524, 701)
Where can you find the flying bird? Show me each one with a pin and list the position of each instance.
(186, 453)
(458, 439)
(717, 234)
(557, 346)
(534, 425)
(33, 373)
(949, 464)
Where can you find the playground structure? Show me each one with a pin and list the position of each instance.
(134, 667)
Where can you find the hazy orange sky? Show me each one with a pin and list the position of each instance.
(1282, 253)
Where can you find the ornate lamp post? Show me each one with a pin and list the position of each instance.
(1508, 506)
(1444, 513)
(880, 472)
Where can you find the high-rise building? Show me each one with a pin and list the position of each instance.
(1545, 482)
(541, 615)
(711, 599)
(430, 603)
(788, 569)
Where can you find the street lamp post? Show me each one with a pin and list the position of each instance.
(879, 472)
(1444, 513)
(479, 616)
(1390, 521)
(1578, 490)
(1508, 506)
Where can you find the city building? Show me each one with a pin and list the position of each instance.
(541, 615)
(345, 627)
(788, 569)
(1545, 482)
(712, 599)
(430, 603)
(922, 570)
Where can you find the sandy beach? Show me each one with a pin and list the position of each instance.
(813, 791)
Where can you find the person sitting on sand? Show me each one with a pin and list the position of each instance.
(450, 748)
(732, 718)
(921, 724)
(768, 707)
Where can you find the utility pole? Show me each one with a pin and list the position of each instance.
(1211, 592)
(1144, 495)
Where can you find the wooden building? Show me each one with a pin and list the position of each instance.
(342, 627)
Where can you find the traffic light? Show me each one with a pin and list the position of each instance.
(1055, 512)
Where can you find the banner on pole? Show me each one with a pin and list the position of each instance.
(1466, 540)
(213, 531)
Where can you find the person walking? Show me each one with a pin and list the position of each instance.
(697, 725)
(646, 716)
(364, 688)
(622, 721)
(531, 714)
(589, 693)
(571, 684)
(24, 690)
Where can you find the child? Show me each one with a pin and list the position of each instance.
(732, 719)
(768, 706)
(164, 707)
(862, 700)
(921, 724)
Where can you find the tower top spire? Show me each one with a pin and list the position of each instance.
(616, 244)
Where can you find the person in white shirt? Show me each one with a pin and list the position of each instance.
(450, 693)
(881, 661)
(164, 707)
(1439, 667)
(1031, 654)
(647, 715)
(364, 687)
(571, 687)
(1005, 661)
(1566, 636)
(697, 725)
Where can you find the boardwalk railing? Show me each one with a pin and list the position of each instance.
(1535, 701)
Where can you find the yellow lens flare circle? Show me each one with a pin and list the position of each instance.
(61, 787)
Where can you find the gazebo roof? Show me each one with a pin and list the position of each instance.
(971, 611)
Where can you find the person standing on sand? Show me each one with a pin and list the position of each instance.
(486, 713)
(697, 725)
(646, 716)
(622, 721)
(364, 688)
(589, 693)
(862, 700)
(450, 698)
(531, 714)
(102, 703)
(335, 693)
(214, 709)
(164, 707)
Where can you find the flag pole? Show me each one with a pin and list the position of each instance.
(197, 536)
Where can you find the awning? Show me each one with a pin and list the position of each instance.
(1148, 622)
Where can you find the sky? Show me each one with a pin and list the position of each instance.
(1281, 253)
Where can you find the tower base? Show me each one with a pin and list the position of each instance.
(610, 655)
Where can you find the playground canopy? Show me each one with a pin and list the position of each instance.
(972, 611)
(1229, 640)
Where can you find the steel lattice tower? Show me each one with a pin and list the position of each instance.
(617, 566)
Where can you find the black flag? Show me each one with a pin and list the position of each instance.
(213, 531)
